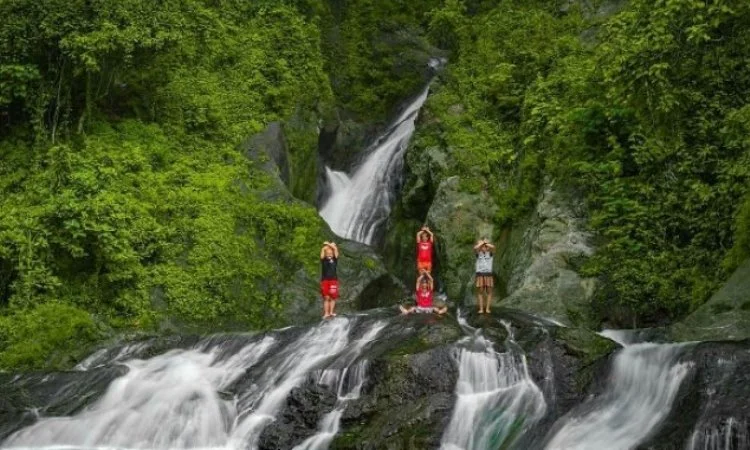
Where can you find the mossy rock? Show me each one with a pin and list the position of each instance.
(726, 315)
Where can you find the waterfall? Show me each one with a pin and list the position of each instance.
(171, 401)
(496, 399)
(730, 435)
(643, 383)
(178, 400)
(359, 204)
(348, 382)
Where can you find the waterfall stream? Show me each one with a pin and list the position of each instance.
(644, 380)
(359, 204)
(174, 400)
(496, 399)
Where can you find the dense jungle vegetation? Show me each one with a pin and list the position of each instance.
(126, 204)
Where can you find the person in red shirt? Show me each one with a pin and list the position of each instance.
(329, 283)
(425, 239)
(424, 297)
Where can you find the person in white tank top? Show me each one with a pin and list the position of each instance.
(485, 281)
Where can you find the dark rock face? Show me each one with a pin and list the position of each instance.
(713, 403)
(304, 408)
(23, 399)
(269, 148)
(409, 392)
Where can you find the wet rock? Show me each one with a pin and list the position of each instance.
(407, 403)
(725, 316)
(299, 418)
(26, 397)
(711, 409)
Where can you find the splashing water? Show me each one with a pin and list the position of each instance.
(170, 401)
(644, 381)
(360, 204)
(496, 399)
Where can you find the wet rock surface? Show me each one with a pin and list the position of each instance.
(712, 408)
(409, 391)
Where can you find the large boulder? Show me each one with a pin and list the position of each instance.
(364, 283)
(458, 219)
(540, 261)
(726, 315)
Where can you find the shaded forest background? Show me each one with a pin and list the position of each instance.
(126, 198)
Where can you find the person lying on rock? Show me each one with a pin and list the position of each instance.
(425, 240)
(424, 297)
(484, 278)
(329, 283)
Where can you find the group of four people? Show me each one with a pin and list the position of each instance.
(425, 286)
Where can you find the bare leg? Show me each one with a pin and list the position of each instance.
(479, 300)
(333, 306)
(489, 300)
(326, 307)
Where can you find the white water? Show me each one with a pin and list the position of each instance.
(359, 204)
(289, 370)
(643, 383)
(348, 382)
(174, 401)
(731, 435)
(170, 401)
(496, 399)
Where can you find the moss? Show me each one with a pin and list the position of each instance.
(587, 345)
(51, 336)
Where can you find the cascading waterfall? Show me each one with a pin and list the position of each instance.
(175, 400)
(348, 382)
(496, 399)
(644, 381)
(358, 205)
(170, 401)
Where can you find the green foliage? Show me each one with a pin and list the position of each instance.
(123, 194)
(376, 55)
(647, 118)
(50, 335)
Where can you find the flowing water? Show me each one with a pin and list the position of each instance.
(358, 205)
(730, 435)
(177, 400)
(496, 399)
(643, 383)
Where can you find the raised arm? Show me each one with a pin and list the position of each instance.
(429, 233)
(335, 249)
(492, 247)
(479, 245)
(430, 281)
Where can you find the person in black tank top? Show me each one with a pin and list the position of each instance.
(329, 283)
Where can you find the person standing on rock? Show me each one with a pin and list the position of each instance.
(425, 240)
(329, 283)
(484, 278)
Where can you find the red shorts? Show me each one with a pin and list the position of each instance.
(424, 265)
(329, 288)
